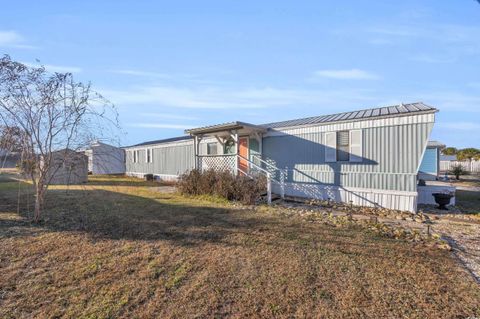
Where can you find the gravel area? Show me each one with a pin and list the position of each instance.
(464, 238)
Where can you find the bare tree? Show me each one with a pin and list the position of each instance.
(55, 114)
(10, 138)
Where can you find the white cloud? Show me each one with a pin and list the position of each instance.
(13, 39)
(237, 98)
(160, 125)
(352, 74)
(9, 37)
(169, 116)
(461, 126)
(140, 73)
(55, 68)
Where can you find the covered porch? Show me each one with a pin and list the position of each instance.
(233, 146)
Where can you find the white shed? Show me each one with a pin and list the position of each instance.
(105, 159)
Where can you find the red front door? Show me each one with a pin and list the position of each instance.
(243, 152)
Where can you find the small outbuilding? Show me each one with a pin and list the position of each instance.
(68, 167)
(430, 165)
(105, 159)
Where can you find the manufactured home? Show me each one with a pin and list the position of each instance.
(369, 157)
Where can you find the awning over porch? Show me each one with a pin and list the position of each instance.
(225, 129)
(236, 148)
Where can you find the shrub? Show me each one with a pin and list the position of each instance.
(188, 183)
(224, 184)
(458, 170)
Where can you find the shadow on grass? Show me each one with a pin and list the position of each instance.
(105, 214)
(120, 180)
(114, 215)
(468, 201)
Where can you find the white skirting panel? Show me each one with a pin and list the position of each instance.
(425, 193)
(161, 177)
(405, 201)
(165, 177)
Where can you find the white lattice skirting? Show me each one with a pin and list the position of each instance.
(217, 163)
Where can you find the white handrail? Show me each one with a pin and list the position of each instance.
(266, 163)
(281, 171)
(255, 165)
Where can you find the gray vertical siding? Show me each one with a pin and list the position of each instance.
(392, 155)
(168, 160)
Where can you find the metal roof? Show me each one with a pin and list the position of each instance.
(172, 139)
(435, 144)
(223, 127)
(388, 111)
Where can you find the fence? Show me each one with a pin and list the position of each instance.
(473, 166)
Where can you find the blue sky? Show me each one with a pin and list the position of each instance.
(178, 64)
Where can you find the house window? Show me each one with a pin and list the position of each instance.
(212, 149)
(149, 155)
(229, 147)
(343, 146)
(136, 154)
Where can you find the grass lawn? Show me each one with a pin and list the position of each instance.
(116, 249)
(468, 201)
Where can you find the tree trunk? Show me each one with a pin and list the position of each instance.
(38, 205)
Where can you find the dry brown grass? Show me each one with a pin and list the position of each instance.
(123, 251)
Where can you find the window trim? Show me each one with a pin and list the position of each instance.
(136, 154)
(331, 144)
(149, 152)
(356, 158)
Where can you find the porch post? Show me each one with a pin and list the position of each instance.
(195, 151)
(269, 189)
(236, 152)
(260, 146)
(198, 139)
